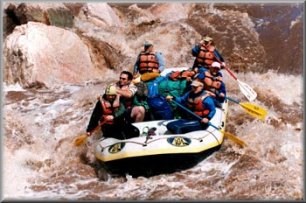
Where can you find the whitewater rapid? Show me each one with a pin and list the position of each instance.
(41, 162)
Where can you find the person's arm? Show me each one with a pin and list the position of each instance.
(95, 117)
(195, 50)
(128, 92)
(182, 100)
(208, 103)
(161, 61)
(222, 90)
(136, 66)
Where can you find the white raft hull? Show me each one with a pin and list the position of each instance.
(163, 152)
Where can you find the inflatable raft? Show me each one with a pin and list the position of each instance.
(157, 150)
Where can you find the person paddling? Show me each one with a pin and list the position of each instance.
(200, 102)
(205, 53)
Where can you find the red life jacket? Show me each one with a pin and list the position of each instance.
(195, 104)
(147, 62)
(212, 83)
(108, 108)
(205, 56)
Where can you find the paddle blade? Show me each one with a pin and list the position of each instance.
(234, 139)
(248, 92)
(80, 140)
(255, 110)
(149, 76)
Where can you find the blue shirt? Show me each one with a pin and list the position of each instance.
(208, 102)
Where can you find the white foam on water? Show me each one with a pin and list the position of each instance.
(16, 174)
(13, 87)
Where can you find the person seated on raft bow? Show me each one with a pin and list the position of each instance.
(198, 101)
(127, 90)
(205, 53)
(148, 60)
(213, 82)
(110, 111)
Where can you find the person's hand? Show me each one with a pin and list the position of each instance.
(223, 65)
(221, 95)
(109, 117)
(169, 98)
(196, 70)
(204, 120)
(118, 91)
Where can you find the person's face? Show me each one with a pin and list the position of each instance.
(207, 43)
(110, 98)
(123, 80)
(214, 70)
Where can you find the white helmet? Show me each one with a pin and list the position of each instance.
(216, 65)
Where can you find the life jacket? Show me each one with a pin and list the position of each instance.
(195, 104)
(205, 56)
(212, 83)
(147, 62)
(108, 108)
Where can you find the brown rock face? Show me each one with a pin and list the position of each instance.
(56, 14)
(40, 54)
(250, 37)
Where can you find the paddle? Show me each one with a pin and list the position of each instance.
(251, 109)
(82, 138)
(226, 134)
(244, 88)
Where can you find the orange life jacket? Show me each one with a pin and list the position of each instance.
(195, 104)
(147, 62)
(212, 83)
(108, 108)
(205, 56)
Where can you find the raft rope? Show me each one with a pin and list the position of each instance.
(200, 139)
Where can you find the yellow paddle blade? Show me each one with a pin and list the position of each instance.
(149, 76)
(254, 110)
(80, 140)
(234, 138)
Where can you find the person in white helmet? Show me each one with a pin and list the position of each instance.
(213, 82)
